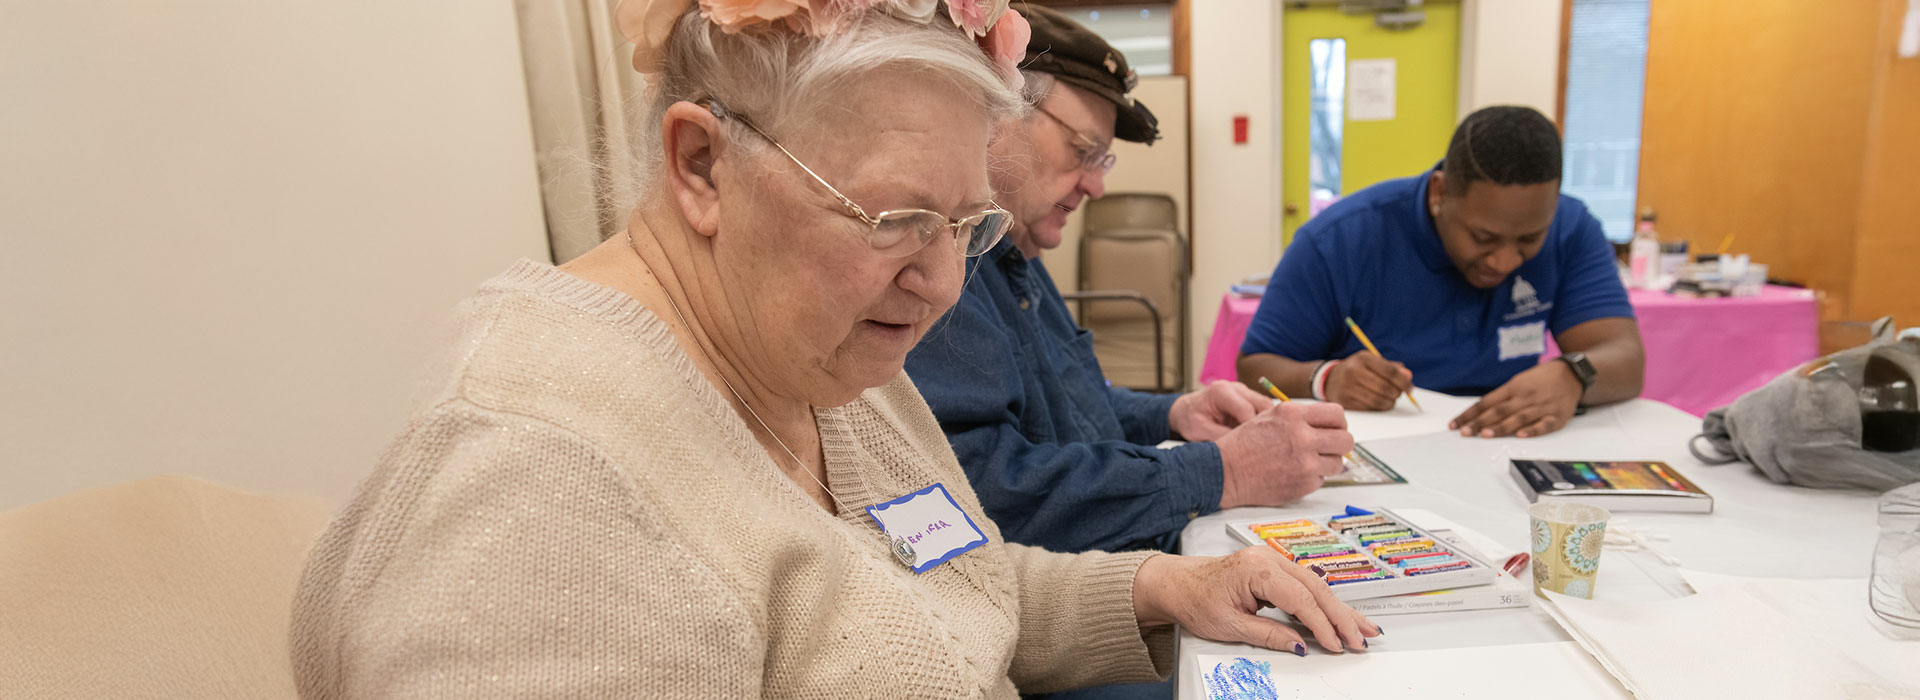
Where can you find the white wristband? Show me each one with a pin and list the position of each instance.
(1319, 383)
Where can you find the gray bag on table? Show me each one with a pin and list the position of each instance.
(1806, 426)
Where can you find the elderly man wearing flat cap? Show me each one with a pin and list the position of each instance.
(1059, 458)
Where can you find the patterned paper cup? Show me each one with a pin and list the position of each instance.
(1566, 547)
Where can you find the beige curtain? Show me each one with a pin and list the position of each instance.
(579, 83)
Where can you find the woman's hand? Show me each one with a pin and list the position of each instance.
(1217, 598)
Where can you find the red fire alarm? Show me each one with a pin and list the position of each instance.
(1239, 129)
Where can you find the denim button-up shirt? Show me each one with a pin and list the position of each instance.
(1059, 458)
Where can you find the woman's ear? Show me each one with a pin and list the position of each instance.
(1436, 191)
(690, 135)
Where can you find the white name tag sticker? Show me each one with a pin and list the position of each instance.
(1523, 340)
(926, 528)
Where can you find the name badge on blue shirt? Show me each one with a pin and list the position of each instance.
(926, 528)
(1523, 340)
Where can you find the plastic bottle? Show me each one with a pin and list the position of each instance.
(1643, 255)
(1894, 592)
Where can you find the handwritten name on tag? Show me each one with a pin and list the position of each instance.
(1523, 340)
(927, 527)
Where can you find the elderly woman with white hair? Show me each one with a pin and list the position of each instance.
(688, 463)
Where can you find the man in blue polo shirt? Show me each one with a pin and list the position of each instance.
(1457, 275)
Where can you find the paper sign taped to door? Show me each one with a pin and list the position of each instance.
(1370, 89)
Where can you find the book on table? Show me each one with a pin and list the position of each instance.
(1627, 486)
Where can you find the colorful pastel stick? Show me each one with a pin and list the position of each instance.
(1287, 551)
(1345, 564)
(1437, 568)
(1378, 576)
(1339, 558)
(1402, 559)
(1422, 544)
(1316, 539)
(1357, 520)
(1402, 538)
(1381, 524)
(1421, 550)
(1344, 522)
(1289, 534)
(1382, 532)
(1309, 548)
(1322, 554)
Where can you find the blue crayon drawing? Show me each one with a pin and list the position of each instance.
(1241, 679)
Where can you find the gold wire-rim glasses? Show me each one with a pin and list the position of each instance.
(1097, 158)
(998, 221)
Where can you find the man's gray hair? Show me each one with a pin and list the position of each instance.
(781, 79)
(1038, 86)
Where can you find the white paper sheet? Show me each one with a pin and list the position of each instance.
(1370, 89)
(1734, 639)
(1830, 612)
(1405, 420)
(1557, 670)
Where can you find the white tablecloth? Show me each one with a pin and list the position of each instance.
(1757, 528)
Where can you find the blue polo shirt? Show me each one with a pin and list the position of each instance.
(1376, 257)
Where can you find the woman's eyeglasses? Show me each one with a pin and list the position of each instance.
(1093, 158)
(898, 232)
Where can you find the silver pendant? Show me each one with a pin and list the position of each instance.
(903, 551)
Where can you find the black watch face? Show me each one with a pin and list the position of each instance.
(1582, 369)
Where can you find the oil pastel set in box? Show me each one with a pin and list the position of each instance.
(1367, 553)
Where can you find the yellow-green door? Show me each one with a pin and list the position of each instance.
(1380, 133)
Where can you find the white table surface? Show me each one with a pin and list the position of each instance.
(1758, 528)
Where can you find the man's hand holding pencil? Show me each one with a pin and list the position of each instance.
(1365, 381)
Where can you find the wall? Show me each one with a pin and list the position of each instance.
(1887, 246)
(1756, 126)
(233, 229)
(1510, 55)
(1236, 188)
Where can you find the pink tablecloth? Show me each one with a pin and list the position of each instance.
(1701, 353)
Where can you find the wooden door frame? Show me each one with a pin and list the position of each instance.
(1560, 91)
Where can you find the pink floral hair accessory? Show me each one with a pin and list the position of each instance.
(1001, 32)
(1006, 44)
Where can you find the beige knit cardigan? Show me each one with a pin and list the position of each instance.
(578, 513)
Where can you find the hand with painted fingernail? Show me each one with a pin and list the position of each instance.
(1219, 598)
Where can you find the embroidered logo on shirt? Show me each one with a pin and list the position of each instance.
(1526, 301)
(1523, 294)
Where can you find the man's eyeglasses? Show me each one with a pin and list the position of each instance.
(898, 232)
(1093, 157)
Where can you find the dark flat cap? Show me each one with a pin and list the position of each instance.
(1075, 55)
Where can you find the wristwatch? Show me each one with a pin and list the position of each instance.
(1582, 370)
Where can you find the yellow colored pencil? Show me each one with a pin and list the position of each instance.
(1281, 395)
(1271, 389)
(1362, 335)
(1726, 244)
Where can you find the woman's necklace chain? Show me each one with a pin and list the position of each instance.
(743, 401)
